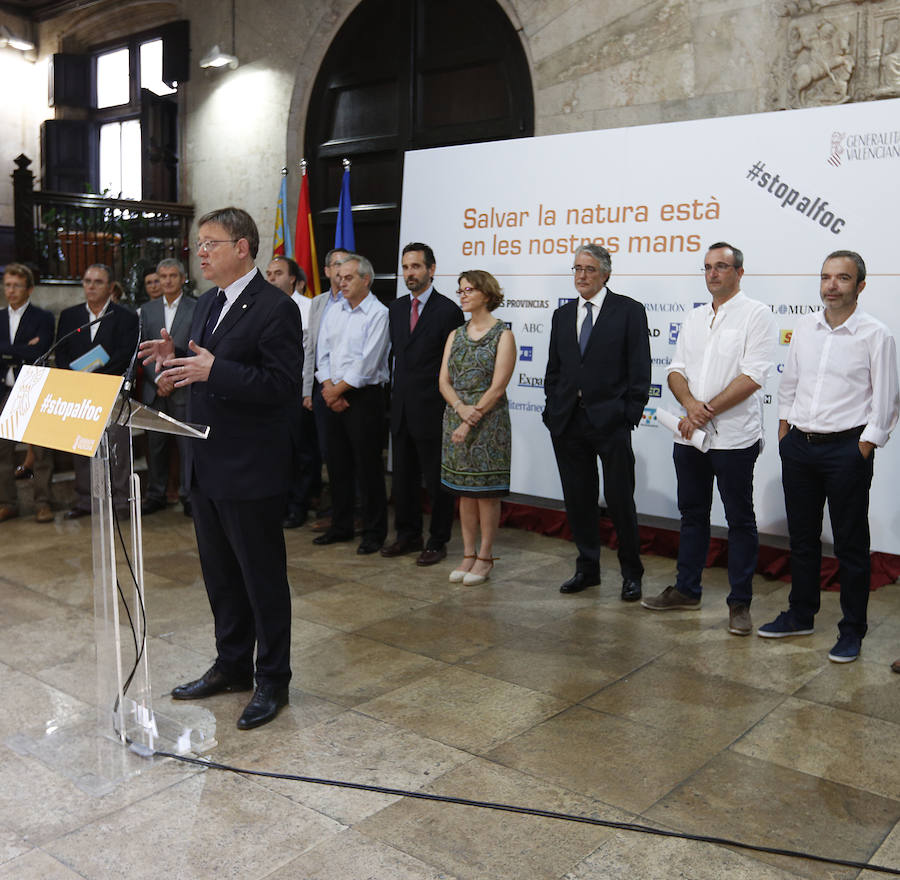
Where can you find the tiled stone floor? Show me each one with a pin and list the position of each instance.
(506, 692)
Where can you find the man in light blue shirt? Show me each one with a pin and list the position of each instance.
(352, 369)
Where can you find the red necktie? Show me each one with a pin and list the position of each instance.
(414, 314)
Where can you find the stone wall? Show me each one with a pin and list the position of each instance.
(595, 64)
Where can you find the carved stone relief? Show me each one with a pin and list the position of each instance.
(835, 51)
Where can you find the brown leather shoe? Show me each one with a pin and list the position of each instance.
(7, 511)
(432, 557)
(43, 514)
(402, 546)
(895, 666)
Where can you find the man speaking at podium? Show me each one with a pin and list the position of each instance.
(243, 376)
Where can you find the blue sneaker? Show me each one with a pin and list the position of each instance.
(846, 650)
(783, 625)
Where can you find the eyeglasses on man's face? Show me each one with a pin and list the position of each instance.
(210, 244)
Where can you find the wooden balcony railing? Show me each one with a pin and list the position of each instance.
(61, 234)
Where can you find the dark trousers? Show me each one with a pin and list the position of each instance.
(158, 446)
(119, 470)
(577, 449)
(306, 468)
(414, 457)
(354, 457)
(43, 468)
(732, 470)
(242, 555)
(813, 473)
(320, 416)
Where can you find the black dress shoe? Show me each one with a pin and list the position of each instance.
(367, 547)
(267, 699)
(186, 508)
(152, 505)
(402, 546)
(631, 590)
(294, 520)
(580, 581)
(212, 682)
(331, 538)
(432, 557)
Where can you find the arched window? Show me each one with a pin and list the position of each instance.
(403, 75)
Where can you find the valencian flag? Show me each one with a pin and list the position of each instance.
(281, 241)
(343, 234)
(305, 245)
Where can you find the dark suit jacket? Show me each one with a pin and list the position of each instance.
(613, 376)
(34, 323)
(152, 319)
(117, 333)
(417, 362)
(254, 381)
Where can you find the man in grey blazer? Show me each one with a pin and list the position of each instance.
(174, 311)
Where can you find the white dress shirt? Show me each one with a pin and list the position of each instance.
(596, 304)
(232, 292)
(841, 378)
(303, 303)
(169, 311)
(356, 344)
(15, 316)
(321, 342)
(713, 349)
(92, 317)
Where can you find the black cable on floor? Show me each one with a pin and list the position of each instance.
(529, 811)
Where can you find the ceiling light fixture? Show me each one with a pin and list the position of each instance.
(216, 57)
(7, 38)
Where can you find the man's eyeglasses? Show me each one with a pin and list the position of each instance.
(210, 243)
(719, 267)
(588, 270)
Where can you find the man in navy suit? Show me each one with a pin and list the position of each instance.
(117, 333)
(173, 310)
(26, 332)
(597, 385)
(419, 325)
(244, 376)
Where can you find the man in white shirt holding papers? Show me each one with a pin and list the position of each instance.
(723, 355)
(838, 400)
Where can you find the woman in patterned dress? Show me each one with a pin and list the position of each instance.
(479, 359)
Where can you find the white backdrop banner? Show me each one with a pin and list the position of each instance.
(787, 188)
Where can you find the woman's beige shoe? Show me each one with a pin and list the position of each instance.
(457, 576)
(473, 580)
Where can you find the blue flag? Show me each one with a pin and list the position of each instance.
(343, 234)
